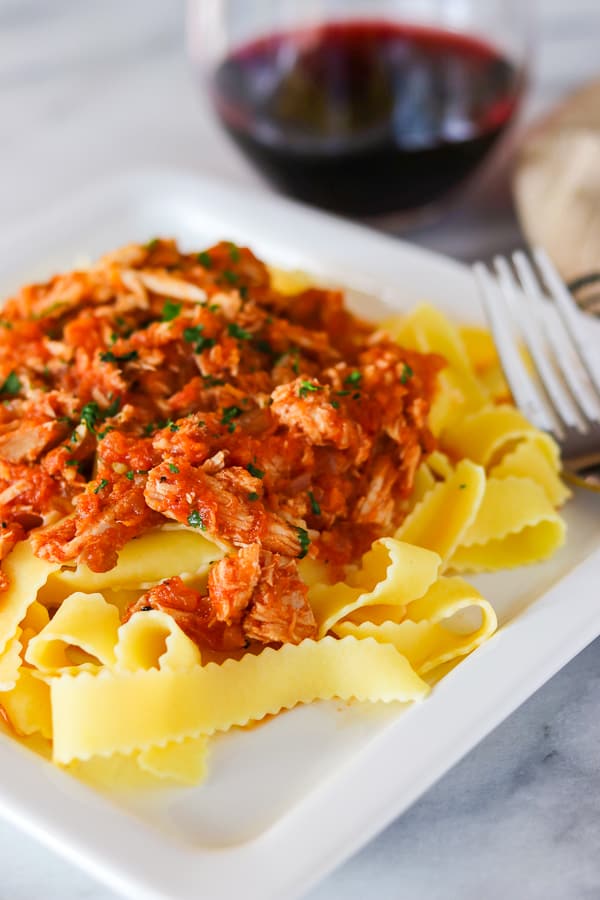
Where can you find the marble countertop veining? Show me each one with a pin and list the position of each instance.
(88, 89)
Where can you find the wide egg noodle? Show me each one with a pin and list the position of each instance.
(516, 524)
(442, 518)
(485, 435)
(534, 458)
(26, 574)
(10, 662)
(153, 640)
(121, 711)
(391, 572)
(424, 637)
(181, 761)
(27, 705)
(81, 636)
(145, 561)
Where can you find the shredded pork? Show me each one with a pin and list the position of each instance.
(159, 385)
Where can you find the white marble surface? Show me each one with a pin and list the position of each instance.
(91, 88)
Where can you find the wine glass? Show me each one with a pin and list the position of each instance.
(365, 107)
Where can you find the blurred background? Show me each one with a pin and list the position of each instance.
(87, 89)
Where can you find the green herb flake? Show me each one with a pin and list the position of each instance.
(171, 310)
(407, 373)
(253, 495)
(234, 252)
(195, 520)
(173, 468)
(193, 333)
(152, 245)
(243, 290)
(335, 404)
(130, 475)
(89, 414)
(313, 504)
(12, 385)
(342, 393)
(354, 378)
(112, 409)
(230, 413)
(257, 473)
(72, 462)
(205, 259)
(240, 334)
(230, 277)
(307, 387)
(109, 356)
(462, 487)
(5, 323)
(101, 486)
(304, 541)
(356, 396)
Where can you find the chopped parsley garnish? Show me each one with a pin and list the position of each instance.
(462, 486)
(90, 414)
(230, 413)
(171, 310)
(354, 378)
(130, 474)
(193, 335)
(103, 484)
(243, 290)
(253, 495)
(5, 323)
(257, 473)
(235, 331)
(205, 259)
(195, 520)
(173, 468)
(307, 387)
(234, 252)
(342, 393)
(230, 277)
(211, 381)
(313, 504)
(304, 540)
(112, 409)
(12, 385)
(72, 462)
(356, 396)
(335, 404)
(172, 426)
(407, 373)
(109, 356)
(152, 245)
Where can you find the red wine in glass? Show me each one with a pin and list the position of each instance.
(366, 117)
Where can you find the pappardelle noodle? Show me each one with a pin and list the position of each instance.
(222, 494)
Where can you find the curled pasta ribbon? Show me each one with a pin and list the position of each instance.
(485, 435)
(81, 636)
(182, 761)
(143, 562)
(10, 662)
(536, 457)
(516, 524)
(186, 703)
(154, 640)
(27, 705)
(391, 573)
(426, 637)
(440, 521)
(26, 574)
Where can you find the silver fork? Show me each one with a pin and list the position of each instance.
(526, 302)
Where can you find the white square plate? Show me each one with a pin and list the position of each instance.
(287, 801)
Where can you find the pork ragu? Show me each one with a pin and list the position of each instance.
(158, 385)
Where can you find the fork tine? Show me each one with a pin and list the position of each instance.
(527, 396)
(585, 345)
(565, 354)
(533, 325)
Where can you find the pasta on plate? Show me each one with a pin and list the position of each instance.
(222, 495)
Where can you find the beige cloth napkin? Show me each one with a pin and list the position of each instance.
(557, 190)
